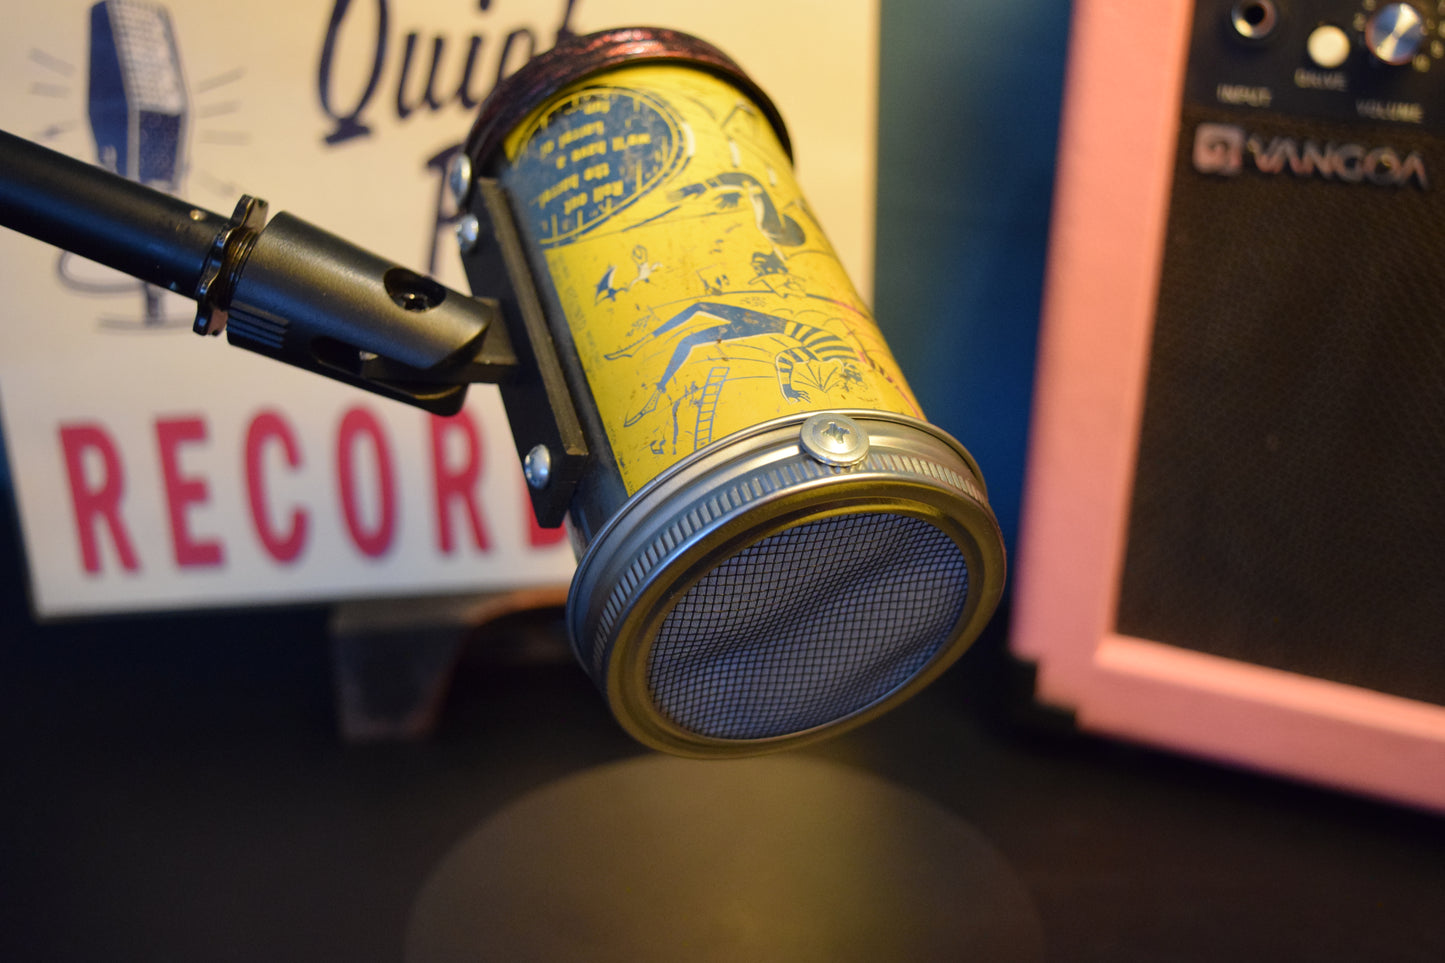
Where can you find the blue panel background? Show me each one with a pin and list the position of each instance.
(968, 122)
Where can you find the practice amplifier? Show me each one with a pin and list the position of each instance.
(1234, 521)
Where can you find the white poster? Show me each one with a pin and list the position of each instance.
(155, 469)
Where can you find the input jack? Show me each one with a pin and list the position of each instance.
(1254, 19)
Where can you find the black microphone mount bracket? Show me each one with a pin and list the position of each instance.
(291, 291)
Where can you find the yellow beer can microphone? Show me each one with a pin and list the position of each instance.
(774, 545)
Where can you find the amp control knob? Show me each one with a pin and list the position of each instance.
(1395, 33)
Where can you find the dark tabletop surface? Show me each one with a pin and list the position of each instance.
(175, 789)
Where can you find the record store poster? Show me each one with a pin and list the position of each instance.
(154, 469)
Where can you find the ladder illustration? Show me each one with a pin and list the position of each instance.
(707, 405)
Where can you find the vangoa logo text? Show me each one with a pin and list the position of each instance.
(1226, 150)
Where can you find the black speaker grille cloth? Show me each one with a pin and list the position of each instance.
(1289, 508)
(808, 626)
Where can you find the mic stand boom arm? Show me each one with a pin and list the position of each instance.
(291, 291)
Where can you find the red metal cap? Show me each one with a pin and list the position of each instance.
(577, 58)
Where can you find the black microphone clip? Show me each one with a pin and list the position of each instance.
(293, 292)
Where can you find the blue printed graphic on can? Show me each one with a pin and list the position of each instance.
(697, 287)
(592, 156)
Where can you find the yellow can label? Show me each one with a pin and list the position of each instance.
(700, 291)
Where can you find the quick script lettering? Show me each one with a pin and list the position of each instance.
(429, 76)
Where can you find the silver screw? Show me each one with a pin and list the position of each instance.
(834, 439)
(469, 231)
(537, 467)
(459, 176)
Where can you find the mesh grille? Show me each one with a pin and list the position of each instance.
(1287, 506)
(808, 626)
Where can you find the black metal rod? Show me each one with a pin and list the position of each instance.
(102, 216)
(291, 291)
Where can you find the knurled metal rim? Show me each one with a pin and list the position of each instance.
(737, 493)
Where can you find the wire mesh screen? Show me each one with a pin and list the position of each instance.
(808, 626)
